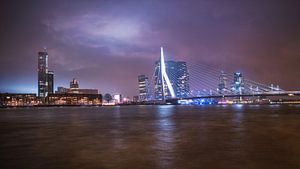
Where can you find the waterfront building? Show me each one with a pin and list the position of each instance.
(182, 80)
(74, 88)
(74, 99)
(178, 76)
(45, 77)
(50, 82)
(42, 74)
(222, 83)
(18, 99)
(117, 98)
(143, 87)
(238, 83)
(158, 90)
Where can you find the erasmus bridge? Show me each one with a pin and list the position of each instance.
(205, 81)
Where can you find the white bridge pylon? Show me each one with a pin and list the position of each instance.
(164, 76)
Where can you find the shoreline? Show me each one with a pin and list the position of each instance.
(62, 106)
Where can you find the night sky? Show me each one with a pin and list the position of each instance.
(107, 44)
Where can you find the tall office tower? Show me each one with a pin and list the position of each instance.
(143, 87)
(222, 83)
(74, 84)
(161, 90)
(43, 74)
(182, 87)
(171, 70)
(178, 76)
(158, 82)
(238, 83)
(50, 82)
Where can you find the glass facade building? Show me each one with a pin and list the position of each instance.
(222, 83)
(42, 74)
(182, 80)
(179, 79)
(45, 77)
(238, 84)
(143, 87)
(50, 82)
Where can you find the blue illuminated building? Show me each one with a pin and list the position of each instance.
(178, 76)
(222, 83)
(238, 84)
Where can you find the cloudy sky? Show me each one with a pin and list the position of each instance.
(106, 44)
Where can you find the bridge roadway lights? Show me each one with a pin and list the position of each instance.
(290, 94)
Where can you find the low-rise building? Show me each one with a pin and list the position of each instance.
(74, 99)
(18, 99)
(74, 88)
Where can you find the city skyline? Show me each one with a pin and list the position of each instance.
(107, 45)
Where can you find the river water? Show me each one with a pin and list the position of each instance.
(150, 137)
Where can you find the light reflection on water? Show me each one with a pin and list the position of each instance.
(238, 115)
(118, 140)
(150, 137)
(165, 135)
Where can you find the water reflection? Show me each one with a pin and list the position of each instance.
(238, 126)
(238, 113)
(165, 144)
(150, 137)
(118, 140)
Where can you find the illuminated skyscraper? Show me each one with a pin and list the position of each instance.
(238, 83)
(222, 83)
(182, 80)
(176, 83)
(158, 82)
(45, 77)
(143, 87)
(43, 74)
(170, 69)
(50, 82)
